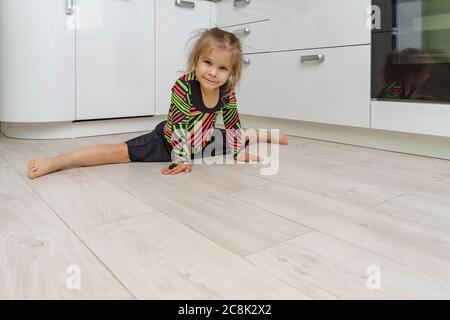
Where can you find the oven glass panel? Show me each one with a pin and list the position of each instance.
(411, 50)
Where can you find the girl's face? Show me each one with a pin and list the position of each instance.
(214, 69)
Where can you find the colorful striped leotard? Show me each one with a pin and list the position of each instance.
(190, 123)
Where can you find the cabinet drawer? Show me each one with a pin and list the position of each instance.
(335, 91)
(253, 92)
(411, 117)
(230, 12)
(307, 24)
(254, 36)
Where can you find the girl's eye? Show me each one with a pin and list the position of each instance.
(207, 62)
(223, 68)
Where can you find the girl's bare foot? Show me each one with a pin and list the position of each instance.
(283, 139)
(39, 167)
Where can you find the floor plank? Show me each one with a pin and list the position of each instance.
(37, 250)
(3, 163)
(426, 250)
(395, 182)
(159, 258)
(237, 226)
(331, 183)
(86, 199)
(12, 185)
(414, 166)
(420, 210)
(325, 267)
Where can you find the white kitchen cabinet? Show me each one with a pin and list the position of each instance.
(115, 58)
(254, 88)
(411, 117)
(307, 24)
(66, 60)
(335, 90)
(234, 12)
(175, 25)
(37, 57)
(254, 37)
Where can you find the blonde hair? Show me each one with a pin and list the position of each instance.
(215, 38)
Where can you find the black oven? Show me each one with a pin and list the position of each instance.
(411, 50)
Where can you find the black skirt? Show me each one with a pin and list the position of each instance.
(153, 147)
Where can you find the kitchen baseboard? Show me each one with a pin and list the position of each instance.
(418, 144)
(71, 130)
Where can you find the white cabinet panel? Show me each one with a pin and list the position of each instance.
(253, 92)
(254, 36)
(233, 12)
(115, 58)
(334, 91)
(37, 56)
(305, 24)
(412, 117)
(174, 27)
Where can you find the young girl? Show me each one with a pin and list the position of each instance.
(198, 96)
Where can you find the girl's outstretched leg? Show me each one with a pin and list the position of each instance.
(262, 136)
(91, 156)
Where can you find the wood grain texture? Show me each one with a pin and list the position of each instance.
(226, 231)
(37, 250)
(159, 258)
(86, 199)
(427, 250)
(325, 267)
(232, 223)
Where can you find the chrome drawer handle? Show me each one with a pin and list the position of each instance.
(69, 7)
(184, 4)
(244, 31)
(313, 58)
(240, 3)
(247, 61)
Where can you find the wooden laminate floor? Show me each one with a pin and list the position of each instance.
(335, 222)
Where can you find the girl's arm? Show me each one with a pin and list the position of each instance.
(180, 120)
(235, 133)
(233, 127)
(180, 107)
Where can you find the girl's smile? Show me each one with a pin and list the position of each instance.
(214, 69)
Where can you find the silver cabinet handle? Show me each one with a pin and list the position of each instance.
(240, 3)
(244, 31)
(69, 7)
(313, 58)
(247, 61)
(184, 4)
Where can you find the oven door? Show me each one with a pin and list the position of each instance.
(411, 50)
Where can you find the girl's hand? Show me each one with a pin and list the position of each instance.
(247, 157)
(181, 167)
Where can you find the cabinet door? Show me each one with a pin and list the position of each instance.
(307, 24)
(253, 91)
(254, 37)
(115, 58)
(233, 12)
(37, 53)
(335, 91)
(175, 25)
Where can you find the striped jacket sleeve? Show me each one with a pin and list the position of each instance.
(181, 152)
(233, 126)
